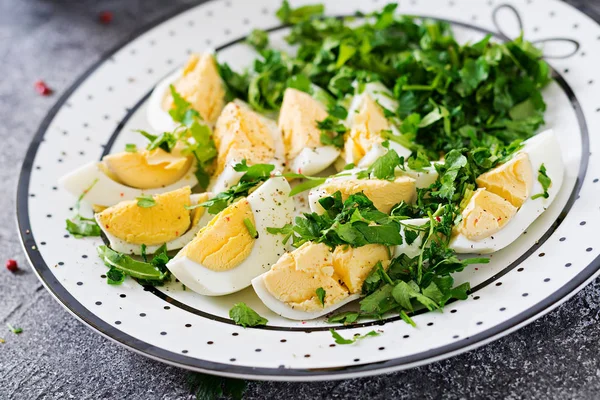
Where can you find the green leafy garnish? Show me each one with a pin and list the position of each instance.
(209, 387)
(13, 329)
(115, 276)
(145, 201)
(130, 148)
(251, 228)
(332, 132)
(289, 15)
(243, 315)
(258, 39)
(321, 295)
(545, 180)
(339, 339)
(182, 110)
(80, 226)
(154, 272)
(286, 230)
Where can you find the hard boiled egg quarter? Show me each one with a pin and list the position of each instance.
(383, 193)
(198, 82)
(127, 175)
(224, 257)
(366, 119)
(291, 288)
(502, 208)
(127, 225)
(242, 134)
(301, 137)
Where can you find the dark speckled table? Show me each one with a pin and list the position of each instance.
(57, 357)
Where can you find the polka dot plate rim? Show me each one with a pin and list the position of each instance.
(167, 325)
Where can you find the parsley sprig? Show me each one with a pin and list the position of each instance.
(80, 226)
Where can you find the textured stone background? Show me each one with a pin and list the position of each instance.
(58, 357)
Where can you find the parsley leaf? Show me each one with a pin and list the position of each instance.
(332, 132)
(339, 339)
(115, 276)
(182, 110)
(385, 166)
(13, 329)
(545, 180)
(286, 230)
(154, 271)
(258, 38)
(243, 315)
(80, 226)
(288, 15)
(145, 201)
(321, 295)
(130, 148)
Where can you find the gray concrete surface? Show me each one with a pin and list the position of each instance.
(57, 357)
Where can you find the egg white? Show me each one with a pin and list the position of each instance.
(107, 192)
(414, 249)
(159, 119)
(423, 179)
(272, 207)
(541, 149)
(286, 311)
(311, 161)
(122, 246)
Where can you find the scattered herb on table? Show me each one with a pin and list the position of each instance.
(13, 329)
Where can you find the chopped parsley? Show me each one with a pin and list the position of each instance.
(243, 315)
(289, 15)
(251, 228)
(332, 131)
(115, 276)
(145, 201)
(13, 329)
(321, 295)
(258, 39)
(130, 148)
(339, 339)
(545, 180)
(80, 226)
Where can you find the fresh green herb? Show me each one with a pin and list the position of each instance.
(145, 201)
(258, 39)
(143, 248)
(309, 182)
(154, 272)
(253, 176)
(2, 341)
(288, 15)
(209, 387)
(286, 230)
(165, 141)
(13, 329)
(251, 228)
(385, 166)
(80, 226)
(321, 295)
(346, 318)
(545, 180)
(182, 110)
(130, 148)
(115, 276)
(332, 131)
(339, 339)
(243, 315)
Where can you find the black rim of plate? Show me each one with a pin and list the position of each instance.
(77, 309)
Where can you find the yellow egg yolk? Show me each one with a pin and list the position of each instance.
(298, 119)
(201, 86)
(166, 220)
(485, 214)
(366, 129)
(295, 278)
(225, 242)
(353, 264)
(383, 193)
(241, 133)
(146, 169)
(198, 212)
(512, 180)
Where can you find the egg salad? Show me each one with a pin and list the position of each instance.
(354, 172)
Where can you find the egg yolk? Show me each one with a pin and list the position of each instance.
(383, 193)
(225, 242)
(201, 86)
(298, 122)
(295, 278)
(366, 129)
(198, 212)
(485, 214)
(146, 169)
(353, 264)
(166, 220)
(241, 133)
(512, 180)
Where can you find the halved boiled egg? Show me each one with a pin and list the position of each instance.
(127, 175)
(242, 134)
(502, 208)
(298, 119)
(198, 82)
(366, 119)
(383, 193)
(127, 225)
(291, 288)
(225, 256)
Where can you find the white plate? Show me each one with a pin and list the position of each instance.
(554, 260)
